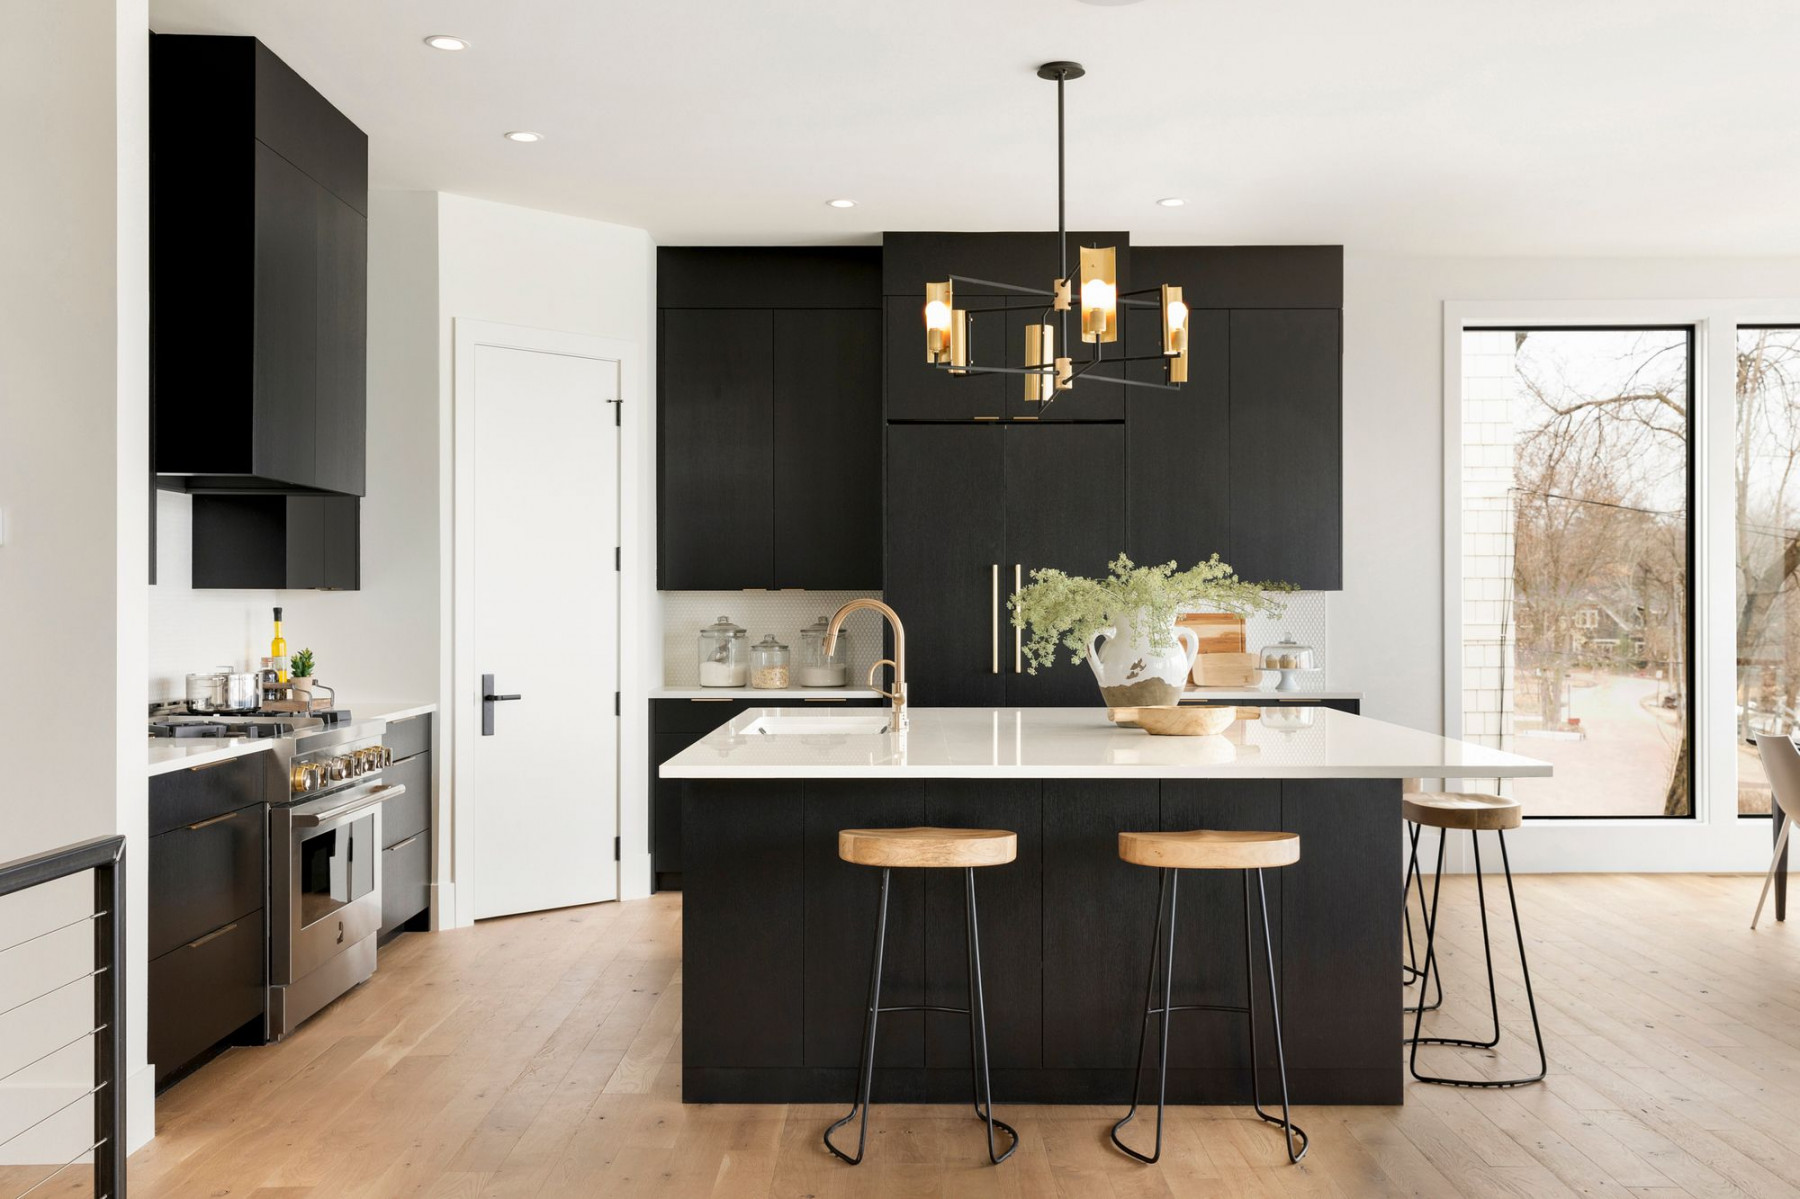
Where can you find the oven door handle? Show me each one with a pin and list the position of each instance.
(356, 807)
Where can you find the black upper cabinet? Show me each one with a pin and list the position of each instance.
(259, 236)
(277, 542)
(1177, 453)
(917, 390)
(827, 365)
(1286, 439)
(769, 419)
(716, 515)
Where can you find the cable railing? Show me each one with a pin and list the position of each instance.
(105, 857)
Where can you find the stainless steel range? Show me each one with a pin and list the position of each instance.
(324, 852)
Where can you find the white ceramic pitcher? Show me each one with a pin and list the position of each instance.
(1131, 674)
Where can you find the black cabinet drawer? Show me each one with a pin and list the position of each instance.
(694, 715)
(405, 880)
(204, 990)
(408, 736)
(205, 875)
(410, 813)
(197, 793)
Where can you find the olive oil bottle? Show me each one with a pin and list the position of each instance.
(278, 650)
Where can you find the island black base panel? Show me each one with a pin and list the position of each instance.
(778, 933)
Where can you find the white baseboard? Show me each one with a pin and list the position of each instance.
(443, 907)
(56, 1139)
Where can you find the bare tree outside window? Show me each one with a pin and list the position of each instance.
(1575, 563)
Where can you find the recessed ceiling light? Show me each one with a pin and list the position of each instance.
(524, 135)
(842, 203)
(443, 41)
(1171, 201)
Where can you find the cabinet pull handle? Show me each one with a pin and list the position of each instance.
(405, 843)
(404, 719)
(995, 613)
(209, 765)
(1018, 633)
(214, 935)
(194, 828)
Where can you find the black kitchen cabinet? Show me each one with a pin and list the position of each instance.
(917, 390)
(946, 542)
(972, 510)
(827, 425)
(288, 542)
(1177, 454)
(259, 232)
(407, 827)
(769, 419)
(1286, 439)
(208, 946)
(1065, 508)
(676, 724)
(716, 466)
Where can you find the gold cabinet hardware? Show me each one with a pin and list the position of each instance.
(194, 828)
(405, 843)
(209, 765)
(1018, 633)
(995, 614)
(214, 935)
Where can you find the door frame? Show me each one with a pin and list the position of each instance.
(464, 699)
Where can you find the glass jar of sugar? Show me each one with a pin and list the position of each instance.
(724, 662)
(818, 668)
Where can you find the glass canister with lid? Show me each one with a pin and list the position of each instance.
(1288, 657)
(817, 668)
(724, 660)
(769, 659)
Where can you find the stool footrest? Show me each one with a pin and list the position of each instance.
(925, 1007)
(1235, 1009)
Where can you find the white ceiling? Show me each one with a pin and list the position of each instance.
(1661, 127)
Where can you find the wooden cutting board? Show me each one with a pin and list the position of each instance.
(1226, 670)
(1219, 632)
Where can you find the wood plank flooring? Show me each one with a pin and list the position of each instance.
(539, 1056)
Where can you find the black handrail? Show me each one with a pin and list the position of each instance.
(105, 856)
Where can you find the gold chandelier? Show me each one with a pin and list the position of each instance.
(949, 330)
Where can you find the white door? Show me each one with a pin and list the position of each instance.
(545, 623)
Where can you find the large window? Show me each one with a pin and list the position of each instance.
(1767, 613)
(1577, 483)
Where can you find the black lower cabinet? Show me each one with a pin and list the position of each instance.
(778, 935)
(676, 724)
(208, 936)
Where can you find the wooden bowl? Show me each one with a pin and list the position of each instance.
(1192, 720)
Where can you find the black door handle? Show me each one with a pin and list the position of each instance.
(488, 699)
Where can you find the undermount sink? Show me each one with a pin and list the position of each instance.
(816, 726)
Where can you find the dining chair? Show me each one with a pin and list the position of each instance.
(1781, 763)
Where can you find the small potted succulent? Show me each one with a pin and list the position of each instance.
(300, 672)
(1146, 657)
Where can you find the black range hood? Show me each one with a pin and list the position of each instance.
(259, 250)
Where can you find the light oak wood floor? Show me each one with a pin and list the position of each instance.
(539, 1056)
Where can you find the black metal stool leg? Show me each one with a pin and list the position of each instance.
(1158, 953)
(1289, 1129)
(865, 1078)
(1493, 991)
(984, 1094)
(1410, 970)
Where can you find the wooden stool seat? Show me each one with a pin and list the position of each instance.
(1210, 849)
(1461, 810)
(928, 848)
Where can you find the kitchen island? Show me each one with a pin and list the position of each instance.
(778, 932)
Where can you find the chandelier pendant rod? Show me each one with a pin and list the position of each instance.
(1062, 228)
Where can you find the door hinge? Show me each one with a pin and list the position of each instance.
(615, 849)
(617, 711)
(618, 556)
(618, 412)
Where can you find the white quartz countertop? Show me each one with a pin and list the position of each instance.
(782, 695)
(1263, 695)
(179, 753)
(1081, 743)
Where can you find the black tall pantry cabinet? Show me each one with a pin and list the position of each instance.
(971, 510)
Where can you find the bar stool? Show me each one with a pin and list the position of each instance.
(962, 849)
(1446, 812)
(1208, 849)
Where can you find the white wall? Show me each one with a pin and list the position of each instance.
(74, 428)
(1387, 625)
(520, 266)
